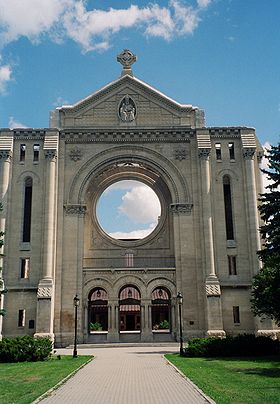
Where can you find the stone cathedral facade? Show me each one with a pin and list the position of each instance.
(207, 180)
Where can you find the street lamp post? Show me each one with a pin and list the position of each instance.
(76, 301)
(180, 303)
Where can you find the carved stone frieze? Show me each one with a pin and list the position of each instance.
(75, 209)
(44, 292)
(181, 208)
(213, 290)
(75, 154)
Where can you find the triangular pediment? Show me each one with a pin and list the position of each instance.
(127, 102)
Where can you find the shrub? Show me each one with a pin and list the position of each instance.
(95, 327)
(241, 345)
(25, 349)
(164, 325)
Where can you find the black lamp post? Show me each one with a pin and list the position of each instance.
(180, 303)
(76, 301)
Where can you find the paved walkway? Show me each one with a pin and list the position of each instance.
(127, 375)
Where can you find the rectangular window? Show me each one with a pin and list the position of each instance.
(36, 149)
(231, 151)
(31, 324)
(236, 314)
(232, 265)
(129, 260)
(218, 151)
(22, 152)
(24, 268)
(21, 318)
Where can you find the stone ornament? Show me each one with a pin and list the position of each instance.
(204, 153)
(126, 58)
(75, 209)
(51, 154)
(5, 154)
(180, 154)
(181, 208)
(75, 154)
(213, 290)
(127, 109)
(248, 154)
(44, 293)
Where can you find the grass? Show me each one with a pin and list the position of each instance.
(234, 380)
(23, 382)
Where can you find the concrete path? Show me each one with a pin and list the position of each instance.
(127, 375)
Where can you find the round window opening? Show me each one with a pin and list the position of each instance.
(128, 210)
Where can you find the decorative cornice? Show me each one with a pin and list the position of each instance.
(75, 209)
(181, 208)
(131, 136)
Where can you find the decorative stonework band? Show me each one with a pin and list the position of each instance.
(181, 208)
(75, 209)
(213, 290)
(44, 293)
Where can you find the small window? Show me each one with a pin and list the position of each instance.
(24, 268)
(231, 151)
(31, 324)
(21, 318)
(236, 314)
(26, 233)
(129, 260)
(232, 265)
(22, 152)
(36, 149)
(218, 151)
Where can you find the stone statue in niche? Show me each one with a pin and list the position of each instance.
(127, 110)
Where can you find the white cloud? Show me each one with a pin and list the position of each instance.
(5, 76)
(93, 29)
(141, 205)
(59, 102)
(15, 124)
(134, 234)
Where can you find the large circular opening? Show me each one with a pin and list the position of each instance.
(128, 210)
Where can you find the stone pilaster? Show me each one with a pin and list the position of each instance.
(45, 294)
(6, 150)
(212, 284)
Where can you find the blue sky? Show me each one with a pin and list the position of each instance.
(220, 55)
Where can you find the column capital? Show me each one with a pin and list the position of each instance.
(248, 154)
(51, 155)
(204, 153)
(6, 155)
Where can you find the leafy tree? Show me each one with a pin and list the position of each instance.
(266, 284)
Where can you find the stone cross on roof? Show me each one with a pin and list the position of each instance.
(127, 58)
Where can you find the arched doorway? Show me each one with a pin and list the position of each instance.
(129, 309)
(98, 310)
(161, 308)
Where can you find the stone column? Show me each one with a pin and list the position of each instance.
(214, 317)
(45, 294)
(6, 148)
(146, 333)
(113, 329)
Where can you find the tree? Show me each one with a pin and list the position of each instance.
(266, 284)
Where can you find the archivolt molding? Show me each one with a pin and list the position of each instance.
(131, 280)
(230, 173)
(150, 158)
(31, 174)
(161, 282)
(97, 282)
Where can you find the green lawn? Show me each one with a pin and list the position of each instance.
(25, 381)
(234, 380)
